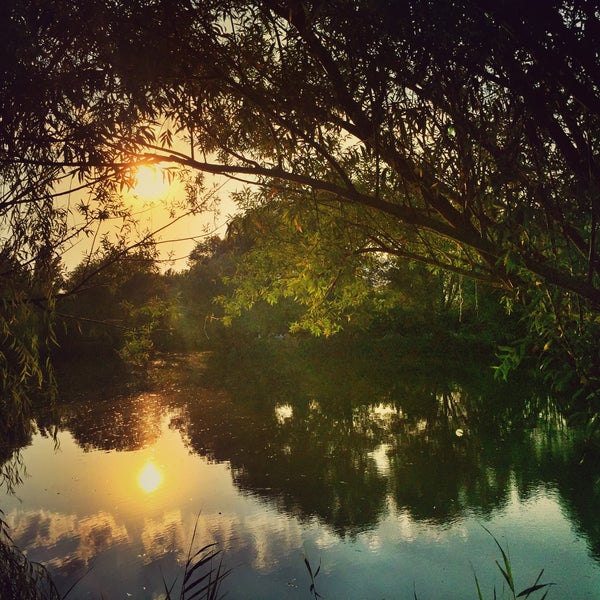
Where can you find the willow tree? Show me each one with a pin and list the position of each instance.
(70, 125)
(460, 134)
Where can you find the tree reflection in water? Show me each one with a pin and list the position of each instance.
(343, 434)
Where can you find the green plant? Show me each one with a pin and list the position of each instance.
(21, 579)
(507, 573)
(313, 589)
(201, 577)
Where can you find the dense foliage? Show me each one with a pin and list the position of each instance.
(459, 135)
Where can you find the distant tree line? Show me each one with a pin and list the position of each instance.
(130, 309)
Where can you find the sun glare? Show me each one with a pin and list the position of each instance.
(149, 478)
(151, 183)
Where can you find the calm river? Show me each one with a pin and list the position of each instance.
(385, 476)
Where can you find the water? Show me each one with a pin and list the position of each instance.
(386, 482)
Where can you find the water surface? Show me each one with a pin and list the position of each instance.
(384, 477)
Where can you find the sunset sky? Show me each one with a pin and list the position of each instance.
(150, 201)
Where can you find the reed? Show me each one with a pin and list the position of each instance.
(313, 589)
(202, 576)
(507, 573)
(22, 579)
(204, 573)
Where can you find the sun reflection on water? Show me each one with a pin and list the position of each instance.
(149, 478)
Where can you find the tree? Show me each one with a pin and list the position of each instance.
(196, 288)
(463, 135)
(122, 304)
(65, 121)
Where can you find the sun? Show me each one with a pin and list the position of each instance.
(151, 183)
(149, 478)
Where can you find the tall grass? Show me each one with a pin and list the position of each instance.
(505, 567)
(204, 573)
(202, 576)
(507, 573)
(313, 576)
(22, 579)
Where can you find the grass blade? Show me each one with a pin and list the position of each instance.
(191, 566)
(534, 588)
(507, 571)
(508, 577)
(308, 566)
(312, 588)
(479, 594)
(207, 583)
